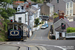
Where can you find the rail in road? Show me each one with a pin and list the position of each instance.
(18, 46)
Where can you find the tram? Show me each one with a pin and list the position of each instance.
(15, 31)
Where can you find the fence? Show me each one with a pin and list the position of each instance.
(70, 35)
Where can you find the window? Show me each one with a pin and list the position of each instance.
(18, 9)
(70, 11)
(67, 12)
(67, 5)
(22, 7)
(57, 1)
(71, 4)
(19, 19)
(26, 18)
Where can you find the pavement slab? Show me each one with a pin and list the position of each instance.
(3, 47)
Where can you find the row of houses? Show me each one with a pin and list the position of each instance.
(65, 5)
(26, 13)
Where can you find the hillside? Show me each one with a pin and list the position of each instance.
(3, 28)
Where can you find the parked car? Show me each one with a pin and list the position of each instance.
(46, 25)
(45, 18)
(43, 26)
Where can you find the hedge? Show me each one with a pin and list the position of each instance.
(70, 29)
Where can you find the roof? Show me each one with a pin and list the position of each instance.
(18, 2)
(68, 24)
(66, 0)
(20, 12)
(49, 4)
(34, 8)
(15, 23)
(56, 19)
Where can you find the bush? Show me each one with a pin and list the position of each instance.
(37, 21)
(55, 14)
(70, 29)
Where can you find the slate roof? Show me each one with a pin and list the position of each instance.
(49, 4)
(56, 19)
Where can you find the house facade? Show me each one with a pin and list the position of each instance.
(21, 17)
(47, 9)
(73, 7)
(64, 5)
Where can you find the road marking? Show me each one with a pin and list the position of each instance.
(48, 35)
(33, 37)
(48, 45)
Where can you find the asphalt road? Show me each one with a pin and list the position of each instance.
(40, 38)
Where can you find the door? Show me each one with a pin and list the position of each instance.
(60, 34)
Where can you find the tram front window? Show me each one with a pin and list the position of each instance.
(15, 27)
(10, 27)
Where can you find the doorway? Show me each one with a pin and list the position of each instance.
(60, 34)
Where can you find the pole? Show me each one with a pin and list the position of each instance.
(28, 27)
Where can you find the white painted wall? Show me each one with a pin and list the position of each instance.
(22, 16)
(21, 10)
(51, 11)
(57, 34)
(31, 21)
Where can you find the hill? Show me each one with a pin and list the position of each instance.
(3, 28)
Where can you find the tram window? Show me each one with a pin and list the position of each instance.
(19, 28)
(10, 27)
(15, 27)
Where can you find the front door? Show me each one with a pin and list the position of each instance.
(60, 34)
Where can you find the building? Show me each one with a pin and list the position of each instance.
(58, 31)
(73, 7)
(47, 9)
(21, 17)
(64, 5)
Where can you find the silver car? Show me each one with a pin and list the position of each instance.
(43, 26)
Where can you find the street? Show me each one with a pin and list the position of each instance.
(40, 39)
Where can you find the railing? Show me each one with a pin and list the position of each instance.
(70, 35)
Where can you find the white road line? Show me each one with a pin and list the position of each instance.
(49, 45)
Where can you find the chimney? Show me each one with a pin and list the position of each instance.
(61, 14)
(45, 2)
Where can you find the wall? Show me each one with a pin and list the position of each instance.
(74, 8)
(45, 10)
(22, 16)
(59, 6)
(57, 34)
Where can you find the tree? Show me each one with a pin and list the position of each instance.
(7, 13)
(10, 11)
(4, 3)
(34, 0)
(37, 21)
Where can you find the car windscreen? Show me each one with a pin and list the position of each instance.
(45, 17)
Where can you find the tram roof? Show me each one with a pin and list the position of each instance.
(15, 23)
